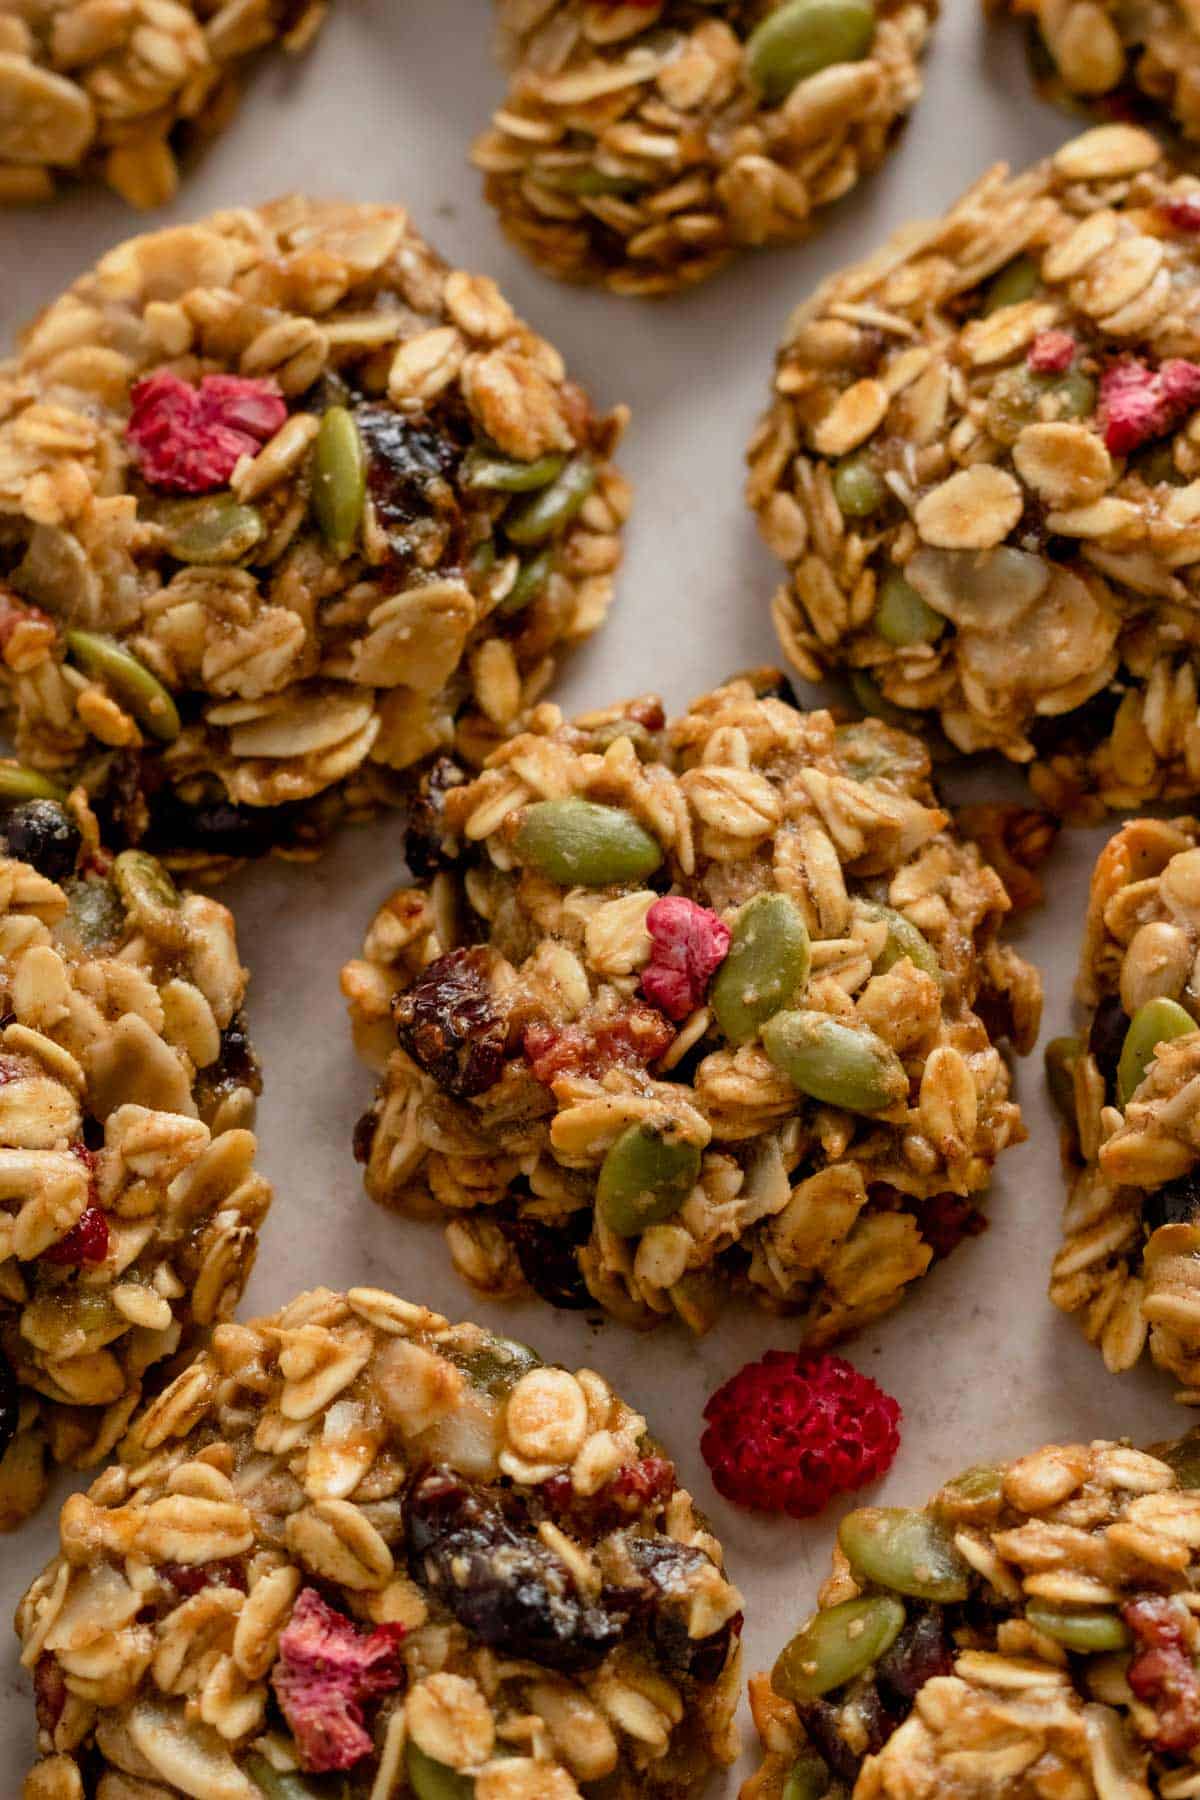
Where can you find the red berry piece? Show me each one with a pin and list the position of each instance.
(1051, 352)
(1138, 403)
(86, 1242)
(689, 945)
(326, 1670)
(1183, 214)
(189, 440)
(788, 1433)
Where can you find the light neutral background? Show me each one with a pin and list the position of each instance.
(384, 110)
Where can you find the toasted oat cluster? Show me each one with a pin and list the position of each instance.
(1130, 1093)
(643, 142)
(114, 88)
(286, 506)
(1032, 1632)
(980, 467)
(129, 1201)
(685, 1010)
(1120, 56)
(356, 1541)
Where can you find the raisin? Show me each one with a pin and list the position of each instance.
(1083, 728)
(404, 461)
(673, 1572)
(821, 1720)
(192, 1578)
(219, 828)
(365, 1127)
(1106, 1039)
(238, 1061)
(448, 1023)
(43, 833)
(10, 1403)
(507, 1589)
(922, 1650)
(945, 1220)
(423, 848)
(49, 1693)
(548, 1256)
(1175, 1203)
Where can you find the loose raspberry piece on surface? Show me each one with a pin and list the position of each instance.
(690, 944)
(86, 1242)
(636, 1035)
(1138, 403)
(1183, 214)
(1162, 1673)
(189, 440)
(1051, 352)
(326, 1669)
(788, 1433)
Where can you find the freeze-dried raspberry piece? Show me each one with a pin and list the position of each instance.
(636, 1035)
(1138, 403)
(86, 1242)
(690, 944)
(1162, 1673)
(326, 1669)
(1051, 352)
(1182, 214)
(788, 1433)
(189, 440)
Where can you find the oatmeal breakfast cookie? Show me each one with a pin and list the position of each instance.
(643, 142)
(1130, 1093)
(689, 1008)
(129, 1201)
(980, 467)
(356, 1540)
(1135, 58)
(1031, 1632)
(286, 505)
(114, 88)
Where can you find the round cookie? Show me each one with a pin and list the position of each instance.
(357, 1546)
(1120, 57)
(286, 505)
(1129, 1090)
(980, 469)
(642, 144)
(682, 1011)
(130, 1202)
(92, 88)
(1032, 1631)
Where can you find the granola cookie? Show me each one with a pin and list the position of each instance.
(693, 1009)
(130, 1202)
(1121, 56)
(643, 142)
(112, 89)
(286, 505)
(354, 1537)
(1129, 1090)
(980, 467)
(1031, 1632)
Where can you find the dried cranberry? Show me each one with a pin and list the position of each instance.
(448, 1022)
(86, 1242)
(1106, 1038)
(404, 462)
(1182, 214)
(10, 1403)
(43, 833)
(548, 1256)
(503, 1586)
(633, 1037)
(49, 1693)
(192, 1578)
(641, 1484)
(1175, 1203)
(945, 1220)
(922, 1650)
(1161, 1672)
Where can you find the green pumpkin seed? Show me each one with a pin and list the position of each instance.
(505, 475)
(802, 37)
(497, 1365)
(1076, 395)
(867, 753)
(1062, 1053)
(581, 844)
(96, 913)
(430, 1780)
(532, 576)
(552, 510)
(483, 558)
(809, 1779)
(836, 1645)
(767, 966)
(875, 703)
(1157, 1022)
(1183, 1456)
(902, 617)
(140, 692)
(1091, 1630)
(215, 529)
(903, 1549)
(290, 1784)
(150, 897)
(646, 1176)
(1157, 467)
(18, 783)
(982, 1485)
(903, 939)
(858, 490)
(1016, 281)
(841, 1065)
(588, 183)
(339, 479)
